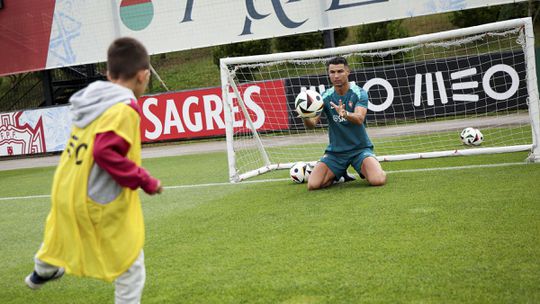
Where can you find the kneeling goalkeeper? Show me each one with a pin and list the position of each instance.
(345, 106)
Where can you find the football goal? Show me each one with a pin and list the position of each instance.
(422, 92)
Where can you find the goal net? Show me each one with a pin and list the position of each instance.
(422, 92)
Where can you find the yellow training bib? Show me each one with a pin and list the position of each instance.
(89, 238)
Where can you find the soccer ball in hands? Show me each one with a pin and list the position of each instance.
(471, 137)
(308, 104)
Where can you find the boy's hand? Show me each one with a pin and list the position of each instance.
(153, 186)
(159, 188)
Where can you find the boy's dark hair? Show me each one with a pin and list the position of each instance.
(125, 57)
(337, 60)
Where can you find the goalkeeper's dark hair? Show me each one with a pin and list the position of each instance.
(337, 60)
(125, 57)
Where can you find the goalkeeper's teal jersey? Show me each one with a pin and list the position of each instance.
(343, 135)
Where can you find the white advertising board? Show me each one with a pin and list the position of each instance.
(81, 31)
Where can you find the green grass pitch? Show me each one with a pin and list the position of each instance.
(469, 235)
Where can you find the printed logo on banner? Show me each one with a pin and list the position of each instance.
(66, 27)
(136, 14)
(281, 14)
(199, 113)
(279, 8)
(17, 139)
(340, 4)
(435, 88)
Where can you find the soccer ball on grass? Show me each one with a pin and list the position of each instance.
(300, 172)
(309, 169)
(471, 137)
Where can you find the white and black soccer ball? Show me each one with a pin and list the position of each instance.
(308, 104)
(471, 137)
(298, 172)
(479, 138)
(309, 169)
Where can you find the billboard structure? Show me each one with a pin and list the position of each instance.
(39, 35)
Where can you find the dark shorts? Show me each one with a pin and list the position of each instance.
(338, 162)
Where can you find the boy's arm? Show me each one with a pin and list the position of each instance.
(110, 152)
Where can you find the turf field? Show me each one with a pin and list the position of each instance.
(451, 230)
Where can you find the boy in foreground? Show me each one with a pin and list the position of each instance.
(95, 227)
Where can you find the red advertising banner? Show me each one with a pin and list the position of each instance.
(199, 113)
(24, 35)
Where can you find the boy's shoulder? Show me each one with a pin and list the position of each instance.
(121, 113)
(127, 108)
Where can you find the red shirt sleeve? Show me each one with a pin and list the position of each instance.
(110, 152)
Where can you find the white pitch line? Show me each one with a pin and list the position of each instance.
(24, 197)
(286, 179)
(458, 167)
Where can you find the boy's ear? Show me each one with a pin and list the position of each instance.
(143, 76)
(147, 74)
(109, 76)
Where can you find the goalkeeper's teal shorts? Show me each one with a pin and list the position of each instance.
(338, 162)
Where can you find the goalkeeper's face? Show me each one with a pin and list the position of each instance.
(339, 74)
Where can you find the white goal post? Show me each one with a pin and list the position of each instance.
(422, 92)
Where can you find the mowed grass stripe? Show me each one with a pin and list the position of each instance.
(285, 179)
